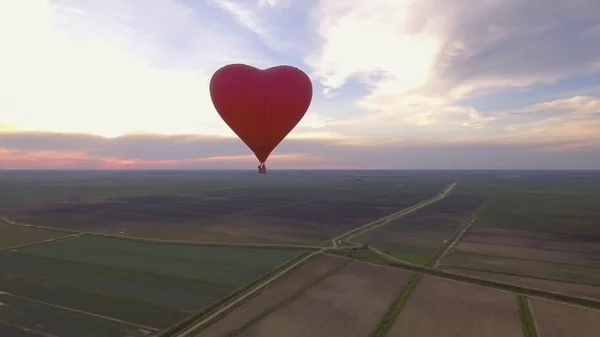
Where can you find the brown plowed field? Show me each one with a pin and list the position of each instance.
(285, 287)
(554, 286)
(527, 239)
(528, 253)
(443, 308)
(241, 215)
(562, 320)
(349, 303)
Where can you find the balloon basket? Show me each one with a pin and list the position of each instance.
(262, 169)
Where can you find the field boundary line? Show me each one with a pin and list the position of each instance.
(395, 309)
(535, 324)
(286, 301)
(87, 313)
(159, 241)
(204, 243)
(349, 235)
(38, 243)
(243, 296)
(526, 317)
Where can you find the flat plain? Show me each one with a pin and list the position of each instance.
(561, 320)
(443, 308)
(282, 289)
(348, 303)
(533, 228)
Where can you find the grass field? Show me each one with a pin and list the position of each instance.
(144, 284)
(417, 236)
(444, 308)
(348, 303)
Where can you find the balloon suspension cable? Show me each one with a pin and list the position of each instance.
(262, 168)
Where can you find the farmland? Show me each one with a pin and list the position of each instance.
(145, 285)
(443, 308)
(348, 303)
(134, 254)
(281, 210)
(536, 229)
(418, 235)
(560, 320)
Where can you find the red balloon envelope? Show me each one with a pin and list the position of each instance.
(261, 106)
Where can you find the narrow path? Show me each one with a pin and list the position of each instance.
(38, 242)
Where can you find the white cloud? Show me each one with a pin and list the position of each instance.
(265, 18)
(273, 3)
(99, 67)
(440, 51)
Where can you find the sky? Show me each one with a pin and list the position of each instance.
(398, 84)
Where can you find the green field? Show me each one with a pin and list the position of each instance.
(45, 320)
(141, 283)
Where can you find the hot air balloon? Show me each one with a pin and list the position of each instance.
(261, 106)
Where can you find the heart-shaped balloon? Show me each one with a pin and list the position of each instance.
(261, 106)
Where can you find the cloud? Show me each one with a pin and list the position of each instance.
(395, 81)
(101, 67)
(54, 150)
(427, 55)
(278, 24)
